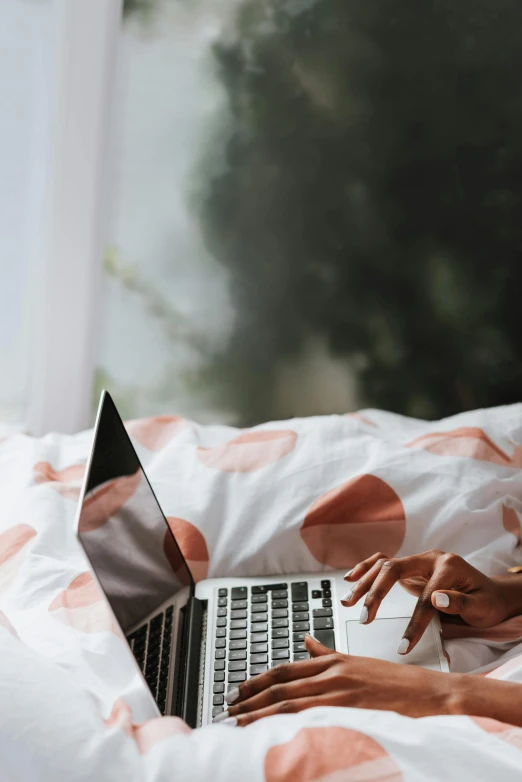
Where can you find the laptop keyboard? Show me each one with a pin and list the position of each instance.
(265, 627)
(151, 644)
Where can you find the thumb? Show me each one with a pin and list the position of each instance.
(315, 648)
(450, 602)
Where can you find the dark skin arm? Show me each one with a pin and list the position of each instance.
(332, 679)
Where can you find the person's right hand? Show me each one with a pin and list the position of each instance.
(443, 582)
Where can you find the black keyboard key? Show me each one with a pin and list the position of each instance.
(221, 622)
(326, 637)
(258, 648)
(280, 643)
(301, 656)
(299, 592)
(279, 603)
(280, 613)
(221, 612)
(302, 616)
(237, 644)
(327, 592)
(237, 635)
(238, 614)
(239, 593)
(280, 632)
(327, 602)
(221, 632)
(237, 654)
(222, 592)
(222, 602)
(280, 594)
(221, 643)
(280, 654)
(258, 608)
(219, 665)
(322, 612)
(237, 665)
(218, 700)
(299, 626)
(259, 599)
(298, 637)
(300, 647)
(219, 688)
(238, 605)
(219, 676)
(156, 623)
(325, 623)
(255, 659)
(237, 676)
(278, 588)
(259, 638)
(259, 617)
(238, 624)
(261, 627)
(257, 669)
(299, 607)
(260, 590)
(220, 654)
(217, 710)
(316, 594)
(277, 623)
(325, 584)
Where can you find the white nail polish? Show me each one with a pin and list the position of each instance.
(221, 717)
(441, 600)
(232, 695)
(364, 616)
(348, 596)
(403, 646)
(347, 575)
(230, 721)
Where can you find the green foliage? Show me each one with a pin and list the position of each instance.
(372, 195)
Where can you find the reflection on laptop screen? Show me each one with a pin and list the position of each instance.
(123, 530)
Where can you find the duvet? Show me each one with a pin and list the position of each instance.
(300, 495)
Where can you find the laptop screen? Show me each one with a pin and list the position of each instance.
(122, 527)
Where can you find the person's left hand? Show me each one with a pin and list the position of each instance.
(333, 679)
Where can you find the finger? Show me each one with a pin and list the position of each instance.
(421, 617)
(352, 597)
(363, 567)
(448, 601)
(315, 648)
(278, 693)
(281, 674)
(284, 707)
(390, 573)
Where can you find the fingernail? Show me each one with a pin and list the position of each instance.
(231, 722)
(232, 695)
(441, 600)
(403, 646)
(348, 596)
(221, 717)
(364, 616)
(347, 575)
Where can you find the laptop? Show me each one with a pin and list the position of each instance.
(188, 642)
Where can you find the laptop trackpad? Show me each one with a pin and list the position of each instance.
(381, 638)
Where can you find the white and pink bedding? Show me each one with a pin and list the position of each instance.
(301, 495)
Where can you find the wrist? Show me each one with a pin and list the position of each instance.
(509, 594)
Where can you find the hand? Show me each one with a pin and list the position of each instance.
(332, 679)
(443, 582)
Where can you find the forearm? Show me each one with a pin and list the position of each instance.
(479, 697)
(510, 592)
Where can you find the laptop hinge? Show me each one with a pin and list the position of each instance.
(192, 636)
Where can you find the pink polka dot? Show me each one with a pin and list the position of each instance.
(330, 754)
(146, 734)
(359, 417)
(67, 482)
(509, 733)
(353, 521)
(106, 500)
(155, 433)
(13, 550)
(193, 547)
(470, 442)
(250, 451)
(82, 606)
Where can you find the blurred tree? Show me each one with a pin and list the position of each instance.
(372, 194)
